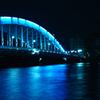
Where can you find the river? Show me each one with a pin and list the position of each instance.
(78, 81)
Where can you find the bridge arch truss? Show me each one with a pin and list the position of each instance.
(21, 33)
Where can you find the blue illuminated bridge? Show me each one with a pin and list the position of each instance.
(21, 37)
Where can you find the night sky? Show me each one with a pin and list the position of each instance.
(64, 18)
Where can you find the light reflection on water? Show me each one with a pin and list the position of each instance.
(78, 81)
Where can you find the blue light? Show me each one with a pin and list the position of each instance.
(32, 25)
(20, 21)
(14, 20)
(44, 31)
(5, 20)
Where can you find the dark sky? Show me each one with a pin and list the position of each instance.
(64, 18)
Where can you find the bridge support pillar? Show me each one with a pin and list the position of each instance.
(40, 41)
(2, 38)
(16, 42)
(21, 36)
(51, 46)
(9, 36)
(36, 40)
(44, 43)
(32, 40)
(48, 44)
(27, 38)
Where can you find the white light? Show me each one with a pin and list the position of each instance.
(79, 50)
(48, 43)
(35, 51)
(75, 51)
(66, 52)
(72, 51)
(34, 40)
(13, 37)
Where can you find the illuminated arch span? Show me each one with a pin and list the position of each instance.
(24, 22)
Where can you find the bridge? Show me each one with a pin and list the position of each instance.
(24, 38)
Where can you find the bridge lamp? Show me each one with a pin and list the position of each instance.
(34, 40)
(80, 50)
(66, 52)
(48, 43)
(35, 51)
(13, 37)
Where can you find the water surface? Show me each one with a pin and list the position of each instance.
(80, 81)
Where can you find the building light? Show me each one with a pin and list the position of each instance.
(72, 51)
(80, 50)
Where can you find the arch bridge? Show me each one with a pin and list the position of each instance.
(18, 34)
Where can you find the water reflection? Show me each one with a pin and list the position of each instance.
(53, 82)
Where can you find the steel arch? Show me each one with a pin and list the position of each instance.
(6, 20)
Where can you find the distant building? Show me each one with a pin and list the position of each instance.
(77, 43)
